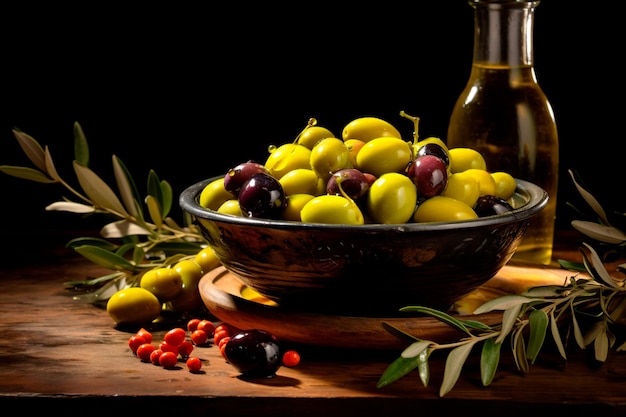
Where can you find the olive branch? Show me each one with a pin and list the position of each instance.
(132, 243)
(590, 308)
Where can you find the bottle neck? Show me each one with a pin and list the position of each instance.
(503, 32)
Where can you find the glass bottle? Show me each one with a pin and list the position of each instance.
(504, 114)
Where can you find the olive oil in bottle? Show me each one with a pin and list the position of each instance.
(504, 114)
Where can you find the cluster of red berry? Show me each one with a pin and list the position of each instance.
(178, 344)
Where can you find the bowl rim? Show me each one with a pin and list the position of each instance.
(537, 200)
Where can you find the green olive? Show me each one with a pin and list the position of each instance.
(505, 184)
(383, 155)
(392, 199)
(486, 183)
(462, 186)
(293, 208)
(133, 306)
(329, 155)
(443, 209)
(230, 207)
(465, 158)
(313, 134)
(333, 209)
(287, 157)
(213, 195)
(189, 298)
(302, 181)
(368, 128)
(165, 283)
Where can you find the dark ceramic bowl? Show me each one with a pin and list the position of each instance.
(365, 270)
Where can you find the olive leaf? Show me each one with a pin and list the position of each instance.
(600, 232)
(538, 322)
(590, 199)
(439, 315)
(31, 148)
(489, 360)
(98, 191)
(71, 207)
(126, 186)
(92, 241)
(397, 369)
(509, 318)
(556, 335)
(122, 228)
(81, 147)
(107, 259)
(50, 168)
(454, 364)
(155, 211)
(596, 268)
(27, 174)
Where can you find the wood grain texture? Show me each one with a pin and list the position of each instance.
(57, 354)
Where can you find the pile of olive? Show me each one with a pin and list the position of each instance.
(370, 175)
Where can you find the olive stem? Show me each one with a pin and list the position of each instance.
(416, 122)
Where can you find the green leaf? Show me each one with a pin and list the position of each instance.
(106, 259)
(600, 232)
(178, 247)
(124, 186)
(489, 359)
(538, 322)
(25, 173)
(397, 369)
(598, 271)
(415, 349)
(601, 345)
(503, 303)
(31, 148)
(572, 266)
(509, 318)
(578, 335)
(554, 329)
(91, 241)
(167, 197)
(155, 211)
(103, 293)
(123, 228)
(98, 191)
(590, 199)
(400, 334)
(154, 186)
(454, 364)
(423, 368)
(439, 315)
(50, 168)
(518, 347)
(81, 148)
(546, 291)
(475, 324)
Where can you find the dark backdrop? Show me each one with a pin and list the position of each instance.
(191, 90)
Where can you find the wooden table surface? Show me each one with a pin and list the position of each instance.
(59, 354)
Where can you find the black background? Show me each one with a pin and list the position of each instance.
(190, 91)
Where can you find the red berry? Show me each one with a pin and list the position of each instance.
(134, 342)
(194, 364)
(192, 325)
(185, 349)
(168, 359)
(199, 337)
(155, 355)
(144, 351)
(223, 341)
(166, 347)
(175, 336)
(145, 334)
(207, 326)
(291, 358)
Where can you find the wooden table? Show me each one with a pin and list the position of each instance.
(59, 354)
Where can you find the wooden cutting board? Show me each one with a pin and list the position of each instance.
(228, 299)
